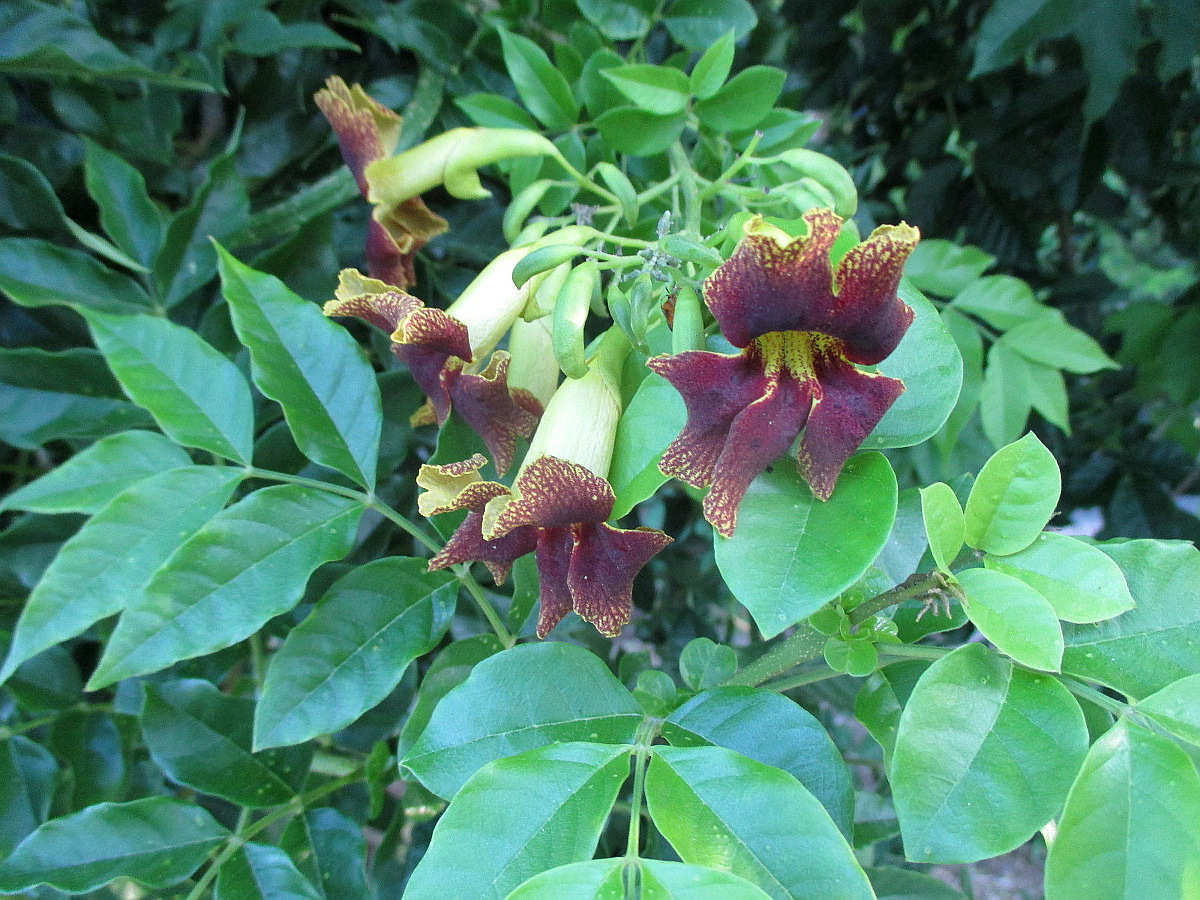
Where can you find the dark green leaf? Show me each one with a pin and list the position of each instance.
(791, 553)
(201, 738)
(158, 840)
(639, 132)
(351, 651)
(262, 872)
(27, 775)
(247, 565)
(892, 883)
(129, 216)
(722, 810)
(329, 850)
(1013, 27)
(311, 367)
(983, 756)
(620, 20)
(196, 395)
(35, 273)
(565, 791)
(27, 201)
(113, 557)
(744, 100)
(518, 700)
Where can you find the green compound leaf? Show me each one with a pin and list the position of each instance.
(113, 557)
(312, 367)
(196, 395)
(201, 738)
(518, 700)
(791, 554)
(1129, 828)
(28, 772)
(621, 20)
(713, 67)
(87, 481)
(944, 523)
(596, 879)
(131, 218)
(247, 565)
(944, 268)
(158, 841)
(722, 810)
(1015, 617)
(1081, 583)
(1158, 641)
(983, 757)
(678, 881)
(639, 132)
(352, 650)
(520, 816)
(1013, 498)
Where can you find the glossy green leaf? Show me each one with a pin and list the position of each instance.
(930, 365)
(704, 664)
(27, 199)
(679, 881)
(1158, 641)
(653, 418)
(713, 67)
(312, 367)
(942, 267)
(27, 781)
(90, 747)
(722, 810)
(201, 738)
(518, 700)
(791, 553)
(87, 481)
(743, 100)
(157, 840)
(113, 557)
(596, 879)
(539, 84)
(1013, 498)
(35, 273)
(196, 395)
(262, 872)
(129, 216)
(565, 790)
(1177, 708)
(1002, 301)
(881, 699)
(351, 651)
(768, 727)
(944, 524)
(247, 565)
(639, 132)
(1015, 617)
(1129, 829)
(698, 24)
(1081, 583)
(983, 758)
(1006, 395)
(495, 111)
(1051, 341)
(329, 850)
(662, 90)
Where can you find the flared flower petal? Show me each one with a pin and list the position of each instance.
(604, 563)
(551, 492)
(488, 407)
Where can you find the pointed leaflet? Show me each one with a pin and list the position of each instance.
(311, 367)
(329, 850)
(201, 738)
(351, 651)
(791, 554)
(87, 481)
(1129, 829)
(114, 555)
(158, 841)
(196, 395)
(983, 757)
(35, 273)
(518, 700)
(262, 872)
(520, 816)
(247, 565)
(723, 810)
(131, 218)
(27, 779)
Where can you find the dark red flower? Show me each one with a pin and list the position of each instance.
(803, 327)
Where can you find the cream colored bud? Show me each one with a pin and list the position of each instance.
(531, 346)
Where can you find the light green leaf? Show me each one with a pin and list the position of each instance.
(87, 481)
(791, 553)
(944, 523)
(743, 100)
(157, 840)
(1005, 397)
(678, 881)
(983, 757)
(351, 651)
(639, 132)
(246, 566)
(201, 738)
(1177, 708)
(713, 67)
(944, 268)
(518, 700)
(1014, 617)
(698, 24)
(1051, 341)
(881, 700)
(705, 664)
(653, 418)
(1047, 391)
(1013, 498)
(542, 88)
(36, 273)
(196, 395)
(520, 816)
(722, 810)
(596, 879)
(1130, 828)
(1081, 583)
(313, 368)
(113, 557)
(495, 111)
(662, 90)
(262, 872)
(1000, 300)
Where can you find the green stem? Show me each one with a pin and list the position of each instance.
(646, 734)
(682, 166)
(743, 159)
(807, 643)
(463, 573)
(1094, 695)
(583, 180)
(912, 651)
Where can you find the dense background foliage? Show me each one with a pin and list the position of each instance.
(1054, 146)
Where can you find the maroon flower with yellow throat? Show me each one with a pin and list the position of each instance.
(558, 507)
(804, 328)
